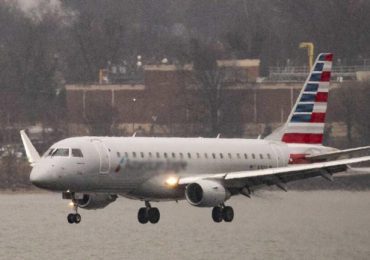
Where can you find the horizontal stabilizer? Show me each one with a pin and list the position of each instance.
(31, 152)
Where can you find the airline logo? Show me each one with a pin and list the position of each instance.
(306, 123)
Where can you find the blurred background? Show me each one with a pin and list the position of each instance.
(174, 68)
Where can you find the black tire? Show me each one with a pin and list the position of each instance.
(77, 218)
(228, 214)
(154, 215)
(142, 216)
(71, 218)
(217, 214)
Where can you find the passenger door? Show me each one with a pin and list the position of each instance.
(103, 156)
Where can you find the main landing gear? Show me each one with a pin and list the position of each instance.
(148, 214)
(74, 218)
(225, 213)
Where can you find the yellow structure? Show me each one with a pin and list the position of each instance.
(310, 51)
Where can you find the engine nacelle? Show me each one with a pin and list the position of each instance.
(205, 193)
(95, 200)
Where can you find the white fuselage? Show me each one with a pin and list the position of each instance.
(138, 167)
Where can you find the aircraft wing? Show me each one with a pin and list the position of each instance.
(336, 154)
(31, 152)
(277, 176)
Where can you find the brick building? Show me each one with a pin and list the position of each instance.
(168, 103)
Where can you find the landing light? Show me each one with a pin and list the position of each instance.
(71, 204)
(172, 181)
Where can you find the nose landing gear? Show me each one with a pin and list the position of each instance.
(148, 214)
(225, 213)
(74, 218)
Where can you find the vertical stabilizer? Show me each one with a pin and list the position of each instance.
(306, 121)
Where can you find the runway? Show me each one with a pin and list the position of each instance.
(271, 225)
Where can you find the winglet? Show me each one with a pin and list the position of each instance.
(31, 152)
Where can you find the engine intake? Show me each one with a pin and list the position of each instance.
(95, 200)
(206, 193)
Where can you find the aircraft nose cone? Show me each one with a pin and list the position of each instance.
(41, 178)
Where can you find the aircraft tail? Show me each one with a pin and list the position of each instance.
(306, 121)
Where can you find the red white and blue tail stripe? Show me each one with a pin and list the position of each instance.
(306, 121)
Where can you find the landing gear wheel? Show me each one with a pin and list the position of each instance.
(217, 214)
(142, 216)
(77, 218)
(153, 215)
(228, 214)
(71, 218)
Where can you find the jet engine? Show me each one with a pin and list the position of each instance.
(95, 200)
(205, 193)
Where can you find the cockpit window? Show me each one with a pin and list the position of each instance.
(77, 153)
(61, 152)
(48, 152)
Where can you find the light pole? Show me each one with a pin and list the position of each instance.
(133, 115)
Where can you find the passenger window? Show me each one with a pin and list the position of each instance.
(253, 156)
(118, 154)
(214, 156)
(221, 156)
(245, 156)
(61, 152)
(181, 155)
(150, 154)
(77, 153)
(238, 155)
(165, 155)
(198, 155)
(142, 154)
(230, 156)
(158, 155)
(189, 155)
(173, 155)
(134, 154)
(261, 156)
(126, 154)
(206, 155)
(269, 156)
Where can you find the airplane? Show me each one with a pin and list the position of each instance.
(93, 171)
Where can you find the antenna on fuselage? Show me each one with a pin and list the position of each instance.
(218, 136)
(134, 135)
